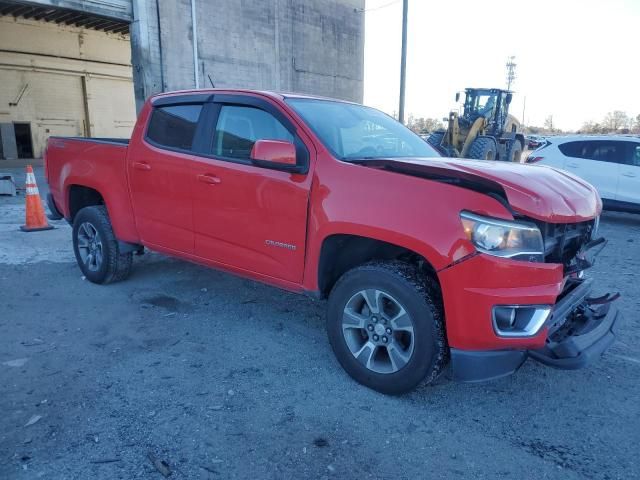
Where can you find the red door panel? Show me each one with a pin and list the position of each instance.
(160, 176)
(250, 218)
(161, 182)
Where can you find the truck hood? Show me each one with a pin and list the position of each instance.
(537, 191)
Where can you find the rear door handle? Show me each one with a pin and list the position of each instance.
(209, 179)
(141, 166)
(572, 165)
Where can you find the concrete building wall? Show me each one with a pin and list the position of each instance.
(73, 81)
(79, 80)
(308, 46)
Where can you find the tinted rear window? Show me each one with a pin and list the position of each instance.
(611, 151)
(572, 149)
(174, 126)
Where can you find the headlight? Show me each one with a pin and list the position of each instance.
(502, 238)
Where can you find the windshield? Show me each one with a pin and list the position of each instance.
(480, 102)
(354, 132)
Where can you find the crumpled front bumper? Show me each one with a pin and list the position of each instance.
(579, 331)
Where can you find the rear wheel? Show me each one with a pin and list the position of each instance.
(483, 148)
(514, 153)
(96, 247)
(385, 325)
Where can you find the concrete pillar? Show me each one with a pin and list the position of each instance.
(8, 147)
(146, 51)
(308, 46)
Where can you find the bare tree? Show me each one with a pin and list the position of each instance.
(616, 120)
(592, 127)
(424, 125)
(548, 123)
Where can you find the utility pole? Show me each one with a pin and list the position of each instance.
(403, 59)
(511, 71)
(524, 107)
(194, 35)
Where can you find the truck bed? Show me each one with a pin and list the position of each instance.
(76, 165)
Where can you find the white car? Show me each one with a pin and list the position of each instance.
(611, 163)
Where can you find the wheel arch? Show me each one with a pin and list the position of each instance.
(80, 193)
(81, 196)
(340, 252)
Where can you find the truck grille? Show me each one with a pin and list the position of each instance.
(563, 241)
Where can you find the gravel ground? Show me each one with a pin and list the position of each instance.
(221, 377)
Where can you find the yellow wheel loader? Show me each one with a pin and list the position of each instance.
(485, 130)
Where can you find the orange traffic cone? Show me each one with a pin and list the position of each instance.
(35, 219)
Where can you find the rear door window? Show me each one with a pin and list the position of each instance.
(573, 149)
(174, 126)
(239, 127)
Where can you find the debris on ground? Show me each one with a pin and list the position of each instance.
(321, 442)
(18, 362)
(32, 420)
(160, 465)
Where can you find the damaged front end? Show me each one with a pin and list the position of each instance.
(580, 328)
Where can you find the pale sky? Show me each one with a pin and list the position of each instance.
(577, 59)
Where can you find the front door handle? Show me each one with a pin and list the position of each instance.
(630, 175)
(209, 179)
(141, 166)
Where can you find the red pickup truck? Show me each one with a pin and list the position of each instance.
(425, 261)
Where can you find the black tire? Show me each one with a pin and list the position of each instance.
(114, 266)
(483, 148)
(435, 139)
(514, 153)
(419, 296)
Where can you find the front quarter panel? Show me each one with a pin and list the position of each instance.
(415, 213)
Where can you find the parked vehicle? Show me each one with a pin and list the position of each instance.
(534, 141)
(423, 260)
(610, 163)
(485, 130)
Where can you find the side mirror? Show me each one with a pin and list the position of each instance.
(509, 98)
(277, 154)
(457, 97)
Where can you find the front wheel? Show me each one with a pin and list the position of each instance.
(96, 247)
(386, 327)
(483, 148)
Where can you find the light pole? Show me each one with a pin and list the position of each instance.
(403, 60)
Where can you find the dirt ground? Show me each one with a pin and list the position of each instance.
(221, 377)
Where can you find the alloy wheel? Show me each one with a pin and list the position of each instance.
(378, 331)
(90, 246)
